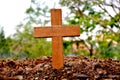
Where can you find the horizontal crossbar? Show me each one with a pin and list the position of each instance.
(56, 31)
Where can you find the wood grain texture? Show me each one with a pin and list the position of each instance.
(56, 17)
(57, 31)
(45, 32)
(57, 46)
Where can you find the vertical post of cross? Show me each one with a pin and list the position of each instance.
(57, 48)
(56, 31)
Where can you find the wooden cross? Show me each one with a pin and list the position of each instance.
(56, 31)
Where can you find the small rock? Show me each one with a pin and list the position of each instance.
(64, 79)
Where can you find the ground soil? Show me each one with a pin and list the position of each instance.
(75, 68)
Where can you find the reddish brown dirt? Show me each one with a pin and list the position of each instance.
(75, 68)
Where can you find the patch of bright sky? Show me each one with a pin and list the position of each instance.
(12, 12)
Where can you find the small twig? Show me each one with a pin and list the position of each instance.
(103, 8)
(80, 12)
(114, 9)
(112, 5)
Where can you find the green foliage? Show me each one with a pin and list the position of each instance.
(4, 45)
(24, 44)
(98, 24)
(67, 45)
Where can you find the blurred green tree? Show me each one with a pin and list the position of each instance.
(24, 41)
(100, 22)
(4, 45)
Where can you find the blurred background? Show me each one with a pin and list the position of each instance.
(99, 22)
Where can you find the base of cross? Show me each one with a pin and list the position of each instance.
(57, 31)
